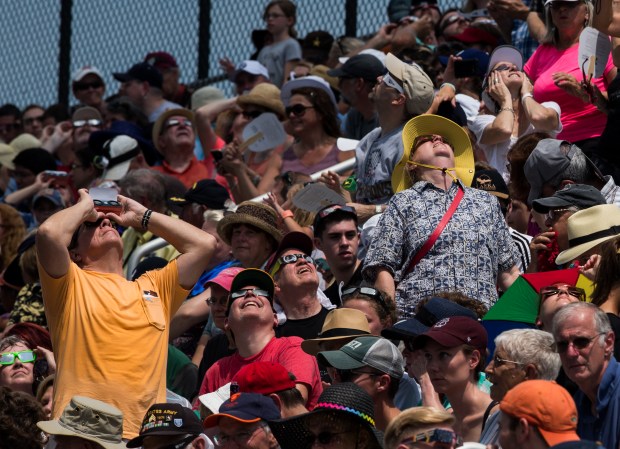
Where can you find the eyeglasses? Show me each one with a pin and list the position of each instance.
(436, 435)
(176, 122)
(30, 120)
(575, 292)
(391, 82)
(214, 300)
(497, 361)
(240, 438)
(579, 343)
(368, 291)
(244, 292)
(420, 140)
(86, 86)
(8, 358)
(95, 123)
(272, 15)
(250, 115)
(504, 67)
(347, 375)
(555, 214)
(298, 110)
(9, 126)
(559, 5)
(324, 438)
(452, 19)
(336, 208)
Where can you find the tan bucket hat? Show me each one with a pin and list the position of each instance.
(89, 419)
(340, 324)
(254, 214)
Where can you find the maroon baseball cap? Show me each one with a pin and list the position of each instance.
(225, 277)
(263, 378)
(161, 60)
(455, 331)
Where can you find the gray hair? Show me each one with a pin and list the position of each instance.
(531, 346)
(145, 186)
(601, 321)
(551, 37)
(12, 340)
(578, 169)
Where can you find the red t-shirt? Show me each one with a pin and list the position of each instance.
(285, 351)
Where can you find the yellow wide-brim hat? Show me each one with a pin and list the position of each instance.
(435, 124)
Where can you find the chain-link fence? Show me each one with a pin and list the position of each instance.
(47, 40)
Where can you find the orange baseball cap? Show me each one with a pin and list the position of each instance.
(545, 405)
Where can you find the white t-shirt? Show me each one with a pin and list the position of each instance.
(496, 154)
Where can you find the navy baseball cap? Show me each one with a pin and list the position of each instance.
(581, 196)
(142, 71)
(430, 313)
(245, 408)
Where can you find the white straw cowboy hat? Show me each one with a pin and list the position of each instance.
(588, 228)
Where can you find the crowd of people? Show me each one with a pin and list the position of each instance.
(408, 241)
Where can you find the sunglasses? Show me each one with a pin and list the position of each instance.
(298, 110)
(330, 210)
(288, 259)
(86, 86)
(214, 300)
(575, 292)
(368, 291)
(559, 5)
(244, 292)
(9, 126)
(452, 19)
(421, 140)
(579, 343)
(504, 67)
(441, 436)
(8, 358)
(555, 214)
(250, 115)
(95, 123)
(176, 122)
(30, 120)
(497, 361)
(348, 375)
(96, 224)
(324, 438)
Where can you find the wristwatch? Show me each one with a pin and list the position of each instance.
(378, 209)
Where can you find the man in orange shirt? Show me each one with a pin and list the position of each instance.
(110, 335)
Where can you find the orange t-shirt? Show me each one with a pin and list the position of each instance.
(110, 337)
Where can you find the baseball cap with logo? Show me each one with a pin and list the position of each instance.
(167, 419)
(119, 152)
(255, 277)
(263, 378)
(455, 331)
(89, 419)
(161, 60)
(416, 85)
(251, 67)
(545, 405)
(376, 352)
(245, 408)
(491, 182)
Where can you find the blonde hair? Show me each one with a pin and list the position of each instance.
(412, 420)
(551, 37)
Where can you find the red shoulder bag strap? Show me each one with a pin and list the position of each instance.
(437, 232)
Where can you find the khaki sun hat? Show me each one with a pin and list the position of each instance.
(340, 324)
(7, 153)
(89, 419)
(588, 228)
(417, 86)
(265, 95)
(435, 124)
(159, 124)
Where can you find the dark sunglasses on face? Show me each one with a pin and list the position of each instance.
(250, 115)
(559, 5)
(96, 224)
(9, 126)
(575, 292)
(579, 343)
(420, 140)
(323, 438)
(90, 122)
(292, 258)
(244, 292)
(437, 435)
(348, 375)
(367, 291)
(176, 122)
(30, 120)
(298, 110)
(86, 86)
(8, 358)
(504, 67)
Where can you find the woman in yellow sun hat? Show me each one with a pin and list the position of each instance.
(438, 234)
